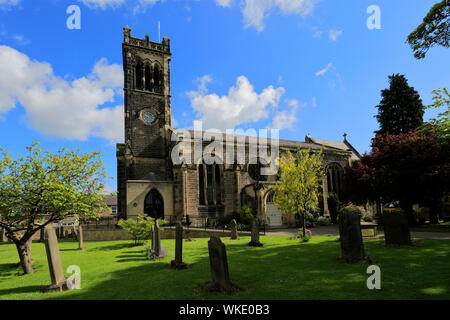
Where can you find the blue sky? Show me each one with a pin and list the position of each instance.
(305, 66)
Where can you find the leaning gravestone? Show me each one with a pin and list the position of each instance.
(219, 266)
(255, 235)
(178, 262)
(80, 238)
(396, 229)
(54, 261)
(234, 232)
(350, 237)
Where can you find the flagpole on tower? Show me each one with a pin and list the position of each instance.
(159, 31)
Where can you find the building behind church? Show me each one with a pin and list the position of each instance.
(149, 182)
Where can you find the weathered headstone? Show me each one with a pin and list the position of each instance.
(219, 265)
(234, 232)
(80, 238)
(255, 235)
(178, 262)
(54, 261)
(2, 235)
(350, 237)
(157, 238)
(396, 229)
(157, 250)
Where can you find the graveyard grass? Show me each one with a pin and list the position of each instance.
(282, 269)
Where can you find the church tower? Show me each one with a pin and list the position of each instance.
(145, 154)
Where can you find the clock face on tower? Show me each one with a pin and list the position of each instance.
(147, 116)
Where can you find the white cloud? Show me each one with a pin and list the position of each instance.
(254, 11)
(20, 39)
(224, 3)
(317, 34)
(103, 4)
(333, 35)
(142, 5)
(61, 108)
(241, 105)
(287, 118)
(323, 71)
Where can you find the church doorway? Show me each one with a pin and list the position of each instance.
(154, 205)
(274, 217)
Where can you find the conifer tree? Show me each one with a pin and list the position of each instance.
(401, 109)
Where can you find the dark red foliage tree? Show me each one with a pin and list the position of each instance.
(409, 168)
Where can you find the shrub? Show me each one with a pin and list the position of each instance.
(323, 221)
(333, 206)
(352, 208)
(311, 219)
(246, 216)
(140, 229)
(308, 235)
(243, 227)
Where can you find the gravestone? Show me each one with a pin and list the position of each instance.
(396, 229)
(80, 238)
(234, 232)
(2, 235)
(54, 261)
(178, 262)
(350, 237)
(157, 250)
(255, 235)
(219, 265)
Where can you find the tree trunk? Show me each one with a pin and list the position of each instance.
(25, 257)
(304, 224)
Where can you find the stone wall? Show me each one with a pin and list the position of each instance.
(166, 233)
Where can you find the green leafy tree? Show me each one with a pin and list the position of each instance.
(140, 229)
(435, 29)
(401, 109)
(440, 124)
(41, 188)
(246, 215)
(297, 190)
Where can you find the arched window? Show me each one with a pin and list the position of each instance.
(157, 79)
(201, 184)
(154, 205)
(139, 77)
(218, 190)
(334, 179)
(148, 78)
(209, 184)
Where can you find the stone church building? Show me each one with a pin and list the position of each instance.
(149, 182)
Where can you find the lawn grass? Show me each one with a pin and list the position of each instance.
(282, 269)
(443, 226)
